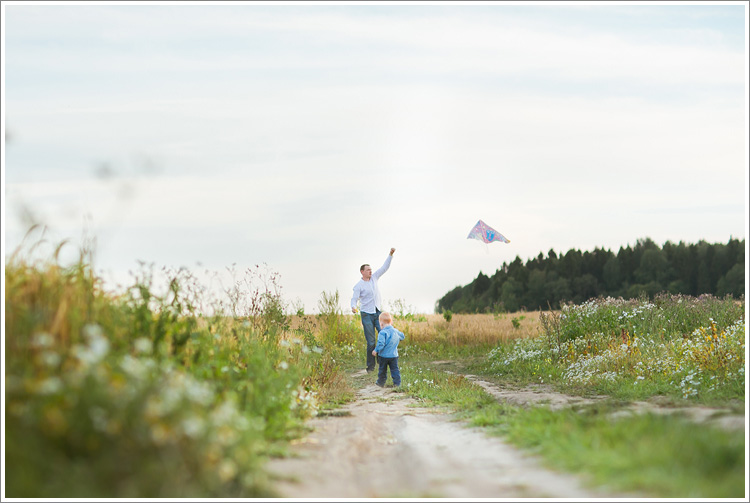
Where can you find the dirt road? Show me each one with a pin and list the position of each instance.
(382, 446)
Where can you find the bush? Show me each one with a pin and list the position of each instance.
(140, 394)
(689, 348)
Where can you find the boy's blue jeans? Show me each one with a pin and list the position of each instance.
(383, 365)
(370, 322)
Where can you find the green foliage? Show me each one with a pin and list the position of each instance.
(256, 297)
(443, 389)
(141, 394)
(329, 311)
(633, 272)
(684, 347)
(448, 315)
(401, 311)
(658, 455)
(336, 331)
(297, 308)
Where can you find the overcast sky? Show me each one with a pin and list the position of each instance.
(314, 138)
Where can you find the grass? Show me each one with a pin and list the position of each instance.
(631, 350)
(161, 390)
(469, 330)
(685, 351)
(141, 394)
(656, 455)
(659, 456)
(652, 454)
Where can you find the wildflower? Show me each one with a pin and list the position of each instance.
(142, 345)
(198, 392)
(160, 433)
(224, 414)
(97, 347)
(42, 340)
(92, 331)
(193, 426)
(154, 409)
(227, 470)
(49, 386)
(134, 367)
(50, 358)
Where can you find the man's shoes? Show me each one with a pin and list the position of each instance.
(370, 369)
(380, 385)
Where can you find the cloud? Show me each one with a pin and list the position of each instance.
(249, 39)
(313, 137)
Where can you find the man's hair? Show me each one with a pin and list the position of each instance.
(385, 317)
(363, 267)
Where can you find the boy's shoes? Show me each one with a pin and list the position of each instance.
(380, 385)
(370, 369)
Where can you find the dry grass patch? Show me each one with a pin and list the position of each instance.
(472, 329)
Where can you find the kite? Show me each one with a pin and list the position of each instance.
(486, 234)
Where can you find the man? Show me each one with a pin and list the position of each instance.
(366, 291)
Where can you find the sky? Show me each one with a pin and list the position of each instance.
(311, 138)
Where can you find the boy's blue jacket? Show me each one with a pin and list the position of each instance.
(388, 339)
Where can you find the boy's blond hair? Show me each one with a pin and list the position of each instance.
(385, 318)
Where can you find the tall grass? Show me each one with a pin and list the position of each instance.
(161, 390)
(342, 341)
(434, 337)
(682, 347)
(650, 454)
(691, 350)
(141, 393)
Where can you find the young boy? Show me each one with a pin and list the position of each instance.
(387, 350)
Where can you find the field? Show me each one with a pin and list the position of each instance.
(675, 357)
(144, 394)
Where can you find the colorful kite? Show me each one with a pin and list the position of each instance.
(486, 234)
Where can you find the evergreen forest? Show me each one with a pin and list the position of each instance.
(645, 269)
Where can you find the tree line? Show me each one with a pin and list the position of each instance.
(547, 282)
